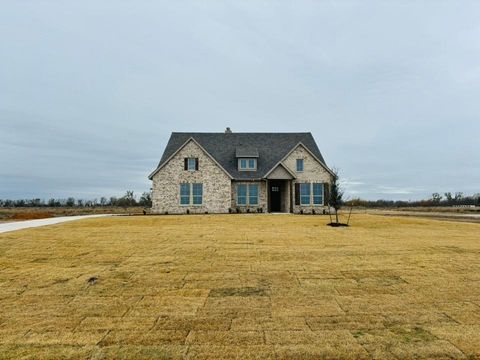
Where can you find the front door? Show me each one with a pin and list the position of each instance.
(275, 195)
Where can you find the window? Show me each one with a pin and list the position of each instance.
(247, 164)
(241, 194)
(247, 194)
(253, 194)
(191, 164)
(317, 194)
(191, 194)
(299, 165)
(197, 191)
(305, 194)
(184, 194)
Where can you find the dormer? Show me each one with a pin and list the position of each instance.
(246, 158)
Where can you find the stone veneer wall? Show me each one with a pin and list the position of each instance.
(313, 172)
(166, 184)
(285, 203)
(262, 196)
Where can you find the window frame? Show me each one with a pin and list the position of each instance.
(247, 166)
(247, 195)
(197, 186)
(250, 197)
(304, 195)
(245, 203)
(189, 162)
(300, 161)
(318, 196)
(185, 186)
(191, 197)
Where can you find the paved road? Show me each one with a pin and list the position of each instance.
(19, 225)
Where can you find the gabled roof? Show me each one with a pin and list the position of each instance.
(180, 148)
(280, 172)
(222, 147)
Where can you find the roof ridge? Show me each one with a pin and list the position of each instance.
(236, 133)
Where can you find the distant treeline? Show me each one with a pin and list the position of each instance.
(129, 199)
(447, 199)
(145, 200)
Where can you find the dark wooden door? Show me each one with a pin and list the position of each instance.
(275, 196)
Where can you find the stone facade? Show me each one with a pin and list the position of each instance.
(313, 172)
(286, 197)
(166, 184)
(220, 191)
(262, 197)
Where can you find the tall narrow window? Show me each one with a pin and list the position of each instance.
(184, 194)
(192, 164)
(299, 165)
(253, 194)
(305, 194)
(317, 194)
(241, 194)
(197, 191)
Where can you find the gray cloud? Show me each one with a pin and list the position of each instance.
(89, 91)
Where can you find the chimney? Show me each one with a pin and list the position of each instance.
(228, 131)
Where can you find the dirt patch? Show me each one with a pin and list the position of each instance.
(337, 224)
(246, 291)
(410, 334)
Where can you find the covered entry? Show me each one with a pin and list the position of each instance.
(279, 190)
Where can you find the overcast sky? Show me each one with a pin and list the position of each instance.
(91, 90)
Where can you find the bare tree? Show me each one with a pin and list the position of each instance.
(436, 198)
(449, 197)
(146, 199)
(336, 195)
(458, 196)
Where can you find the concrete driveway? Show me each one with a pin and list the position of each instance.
(19, 225)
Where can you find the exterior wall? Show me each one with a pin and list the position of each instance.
(262, 197)
(166, 184)
(286, 196)
(312, 172)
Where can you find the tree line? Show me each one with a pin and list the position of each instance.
(145, 200)
(127, 200)
(437, 199)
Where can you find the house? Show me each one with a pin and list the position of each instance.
(240, 172)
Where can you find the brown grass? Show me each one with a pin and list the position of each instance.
(31, 215)
(241, 286)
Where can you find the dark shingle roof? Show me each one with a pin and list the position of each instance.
(271, 147)
(246, 152)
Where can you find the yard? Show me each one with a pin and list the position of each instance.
(241, 286)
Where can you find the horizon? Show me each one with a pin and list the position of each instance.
(90, 92)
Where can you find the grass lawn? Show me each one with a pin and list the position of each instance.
(241, 286)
